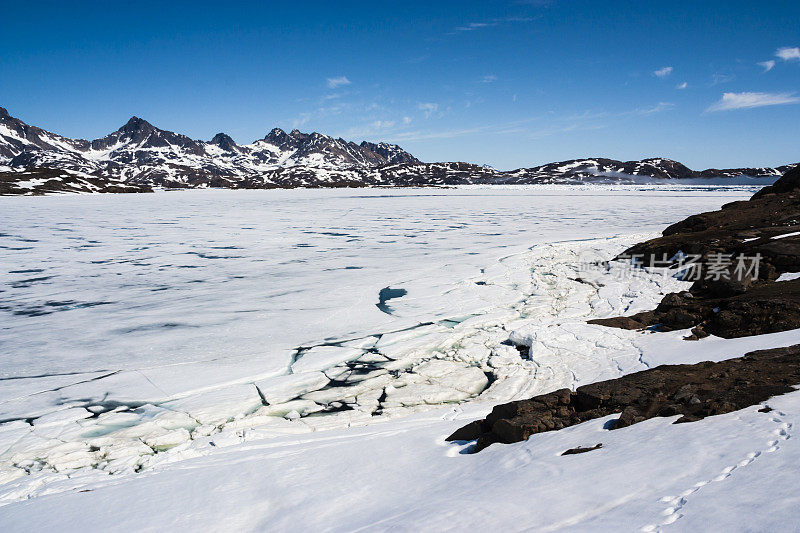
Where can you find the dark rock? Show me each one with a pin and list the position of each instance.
(740, 303)
(225, 142)
(692, 391)
(581, 449)
(790, 182)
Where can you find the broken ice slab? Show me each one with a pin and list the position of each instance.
(34, 406)
(125, 449)
(332, 394)
(10, 473)
(504, 355)
(512, 381)
(349, 418)
(188, 378)
(165, 418)
(364, 343)
(11, 432)
(436, 382)
(127, 387)
(281, 389)
(372, 357)
(422, 393)
(470, 380)
(167, 440)
(303, 407)
(324, 357)
(62, 417)
(262, 426)
(219, 405)
(405, 343)
(22, 387)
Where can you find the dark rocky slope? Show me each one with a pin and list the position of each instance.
(692, 391)
(763, 226)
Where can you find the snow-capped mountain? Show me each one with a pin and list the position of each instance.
(611, 170)
(139, 153)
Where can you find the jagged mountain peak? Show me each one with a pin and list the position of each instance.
(138, 134)
(279, 138)
(4, 113)
(224, 141)
(392, 153)
(136, 124)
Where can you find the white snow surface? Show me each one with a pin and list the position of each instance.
(792, 234)
(213, 352)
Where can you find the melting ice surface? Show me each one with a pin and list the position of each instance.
(98, 283)
(135, 324)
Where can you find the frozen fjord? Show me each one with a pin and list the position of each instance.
(192, 305)
(732, 472)
(98, 283)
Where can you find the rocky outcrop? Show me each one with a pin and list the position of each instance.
(731, 304)
(765, 308)
(691, 392)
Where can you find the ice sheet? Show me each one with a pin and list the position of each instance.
(249, 315)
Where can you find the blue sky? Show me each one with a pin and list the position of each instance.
(507, 83)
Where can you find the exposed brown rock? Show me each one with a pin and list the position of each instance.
(693, 391)
(732, 306)
(581, 449)
(766, 308)
(773, 211)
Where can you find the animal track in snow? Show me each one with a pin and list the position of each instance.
(676, 503)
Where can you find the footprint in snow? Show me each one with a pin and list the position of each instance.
(676, 503)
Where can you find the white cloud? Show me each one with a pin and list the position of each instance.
(663, 72)
(301, 120)
(422, 136)
(748, 100)
(722, 78)
(489, 78)
(682, 85)
(490, 23)
(475, 25)
(428, 107)
(338, 81)
(768, 65)
(661, 106)
(787, 54)
(407, 120)
(382, 124)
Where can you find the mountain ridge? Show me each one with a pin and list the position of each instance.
(139, 153)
